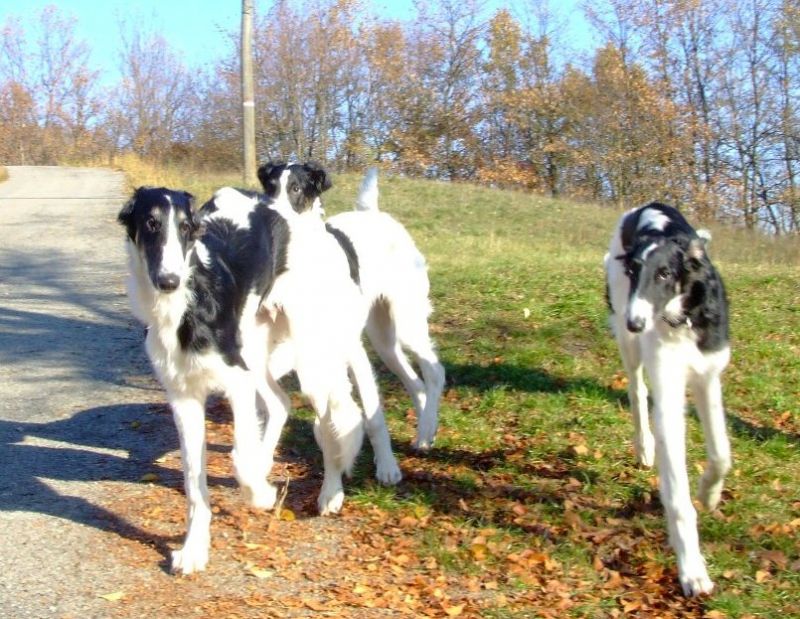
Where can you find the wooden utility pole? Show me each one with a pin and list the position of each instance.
(248, 97)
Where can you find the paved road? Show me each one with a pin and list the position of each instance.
(73, 380)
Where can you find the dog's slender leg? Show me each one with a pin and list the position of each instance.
(277, 404)
(249, 459)
(189, 418)
(339, 431)
(708, 400)
(425, 395)
(433, 373)
(381, 332)
(386, 469)
(643, 441)
(669, 396)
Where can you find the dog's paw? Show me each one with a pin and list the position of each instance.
(426, 433)
(694, 577)
(696, 584)
(189, 559)
(709, 493)
(645, 452)
(330, 502)
(423, 445)
(387, 471)
(261, 496)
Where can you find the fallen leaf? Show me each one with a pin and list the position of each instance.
(260, 573)
(113, 597)
(314, 605)
(774, 556)
(580, 450)
(287, 515)
(479, 551)
(454, 611)
(408, 522)
(762, 575)
(619, 381)
(149, 477)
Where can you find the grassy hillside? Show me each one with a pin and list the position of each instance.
(531, 498)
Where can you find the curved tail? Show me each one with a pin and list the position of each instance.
(368, 194)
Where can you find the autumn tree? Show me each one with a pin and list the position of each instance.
(156, 101)
(439, 107)
(52, 93)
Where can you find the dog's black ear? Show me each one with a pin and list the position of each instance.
(695, 253)
(196, 219)
(125, 216)
(319, 176)
(264, 171)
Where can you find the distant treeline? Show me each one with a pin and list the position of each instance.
(689, 101)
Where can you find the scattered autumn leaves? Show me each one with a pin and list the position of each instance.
(492, 546)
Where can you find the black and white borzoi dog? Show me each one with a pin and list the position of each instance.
(670, 318)
(216, 294)
(308, 291)
(394, 283)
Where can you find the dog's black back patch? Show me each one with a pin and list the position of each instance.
(349, 250)
(241, 262)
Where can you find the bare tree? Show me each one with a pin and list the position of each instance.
(156, 97)
(51, 75)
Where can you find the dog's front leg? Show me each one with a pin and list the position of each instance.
(189, 415)
(669, 395)
(250, 462)
(643, 441)
(277, 404)
(708, 400)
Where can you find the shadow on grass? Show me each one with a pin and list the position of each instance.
(759, 434)
(525, 379)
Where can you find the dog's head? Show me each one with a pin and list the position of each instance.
(162, 227)
(666, 276)
(296, 186)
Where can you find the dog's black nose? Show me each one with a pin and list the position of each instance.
(636, 325)
(168, 282)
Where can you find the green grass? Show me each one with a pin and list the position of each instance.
(521, 325)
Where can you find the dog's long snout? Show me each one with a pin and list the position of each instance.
(168, 282)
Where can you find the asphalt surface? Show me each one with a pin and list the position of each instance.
(73, 380)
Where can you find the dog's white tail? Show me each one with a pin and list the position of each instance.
(368, 194)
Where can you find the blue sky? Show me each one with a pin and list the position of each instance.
(196, 28)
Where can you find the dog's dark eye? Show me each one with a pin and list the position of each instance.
(663, 273)
(294, 188)
(152, 224)
(184, 227)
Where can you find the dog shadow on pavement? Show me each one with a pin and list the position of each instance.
(105, 445)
